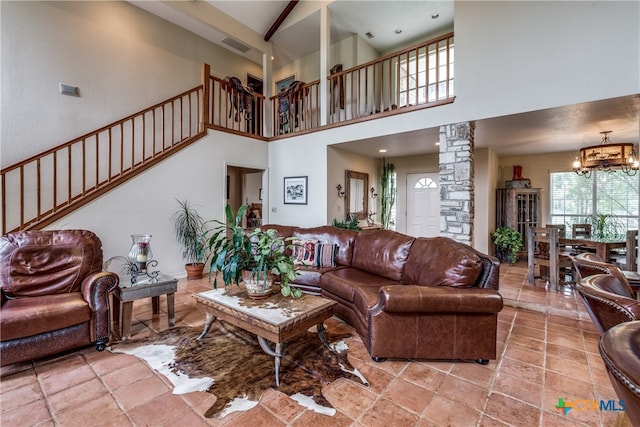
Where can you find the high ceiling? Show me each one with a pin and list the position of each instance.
(554, 130)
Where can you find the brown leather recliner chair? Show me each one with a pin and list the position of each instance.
(620, 351)
(608, 300)
(55, 296)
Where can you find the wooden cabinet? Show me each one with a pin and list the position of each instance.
(518, 208)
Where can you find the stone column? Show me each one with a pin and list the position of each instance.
(456, 181)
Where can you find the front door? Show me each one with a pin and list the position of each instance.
(423, 205)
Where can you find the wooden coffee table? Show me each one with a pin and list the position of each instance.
(275, 319)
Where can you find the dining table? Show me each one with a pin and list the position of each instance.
(602, 246)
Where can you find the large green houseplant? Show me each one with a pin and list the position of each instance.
(234, 251)
(189, 228)
(508, 244)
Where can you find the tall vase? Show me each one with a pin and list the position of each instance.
(140, 252)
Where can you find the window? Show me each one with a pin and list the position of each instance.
(426, 75)
(575, 199)
(425, 183)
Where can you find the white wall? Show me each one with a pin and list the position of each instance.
(144, 205)
(485, 165)
(122, 59)
(528, 55)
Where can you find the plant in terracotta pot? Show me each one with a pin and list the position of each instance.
(189, 229)
(251, 258)
(508, 244)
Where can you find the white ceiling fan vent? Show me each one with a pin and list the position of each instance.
(236, 44)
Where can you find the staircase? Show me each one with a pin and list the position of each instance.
(52, 184)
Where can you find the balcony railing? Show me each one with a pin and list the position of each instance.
(231, 110)
(418, 77)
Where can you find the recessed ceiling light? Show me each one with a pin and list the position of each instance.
(398, 31)
(435, 15)
(383, 150)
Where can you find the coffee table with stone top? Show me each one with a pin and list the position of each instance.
(275, 319)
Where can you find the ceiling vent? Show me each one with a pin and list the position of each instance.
(369, 35)
(236, 44)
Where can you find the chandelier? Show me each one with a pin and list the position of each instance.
(606, 157)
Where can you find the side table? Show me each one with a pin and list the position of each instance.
(127, 292)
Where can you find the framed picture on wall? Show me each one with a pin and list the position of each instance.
(295, 190)
(284, 83)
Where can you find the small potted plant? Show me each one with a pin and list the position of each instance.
(255, 258)
(508, 244)
(189, 229)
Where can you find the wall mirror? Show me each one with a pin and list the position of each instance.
(355, 197)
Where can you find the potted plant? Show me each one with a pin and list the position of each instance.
(605, 226)
(508, 244)
(189, 229)
(349, 224)
(249, 257)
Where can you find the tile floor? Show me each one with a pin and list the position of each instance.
(547, 348)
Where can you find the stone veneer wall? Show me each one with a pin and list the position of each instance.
(456, 181)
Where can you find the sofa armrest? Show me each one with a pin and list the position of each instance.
(95, 291)
(438, 299)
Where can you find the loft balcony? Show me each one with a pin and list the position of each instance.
(418, 77)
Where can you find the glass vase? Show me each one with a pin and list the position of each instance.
(140, 252)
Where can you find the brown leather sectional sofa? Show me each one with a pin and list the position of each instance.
(431, 298)
(54, 294)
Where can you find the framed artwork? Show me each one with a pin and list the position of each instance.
(295, 190)
(284, 83)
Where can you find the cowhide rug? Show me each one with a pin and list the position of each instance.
(229, 363)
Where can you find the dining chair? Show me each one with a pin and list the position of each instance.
(608, 301)
(562, 229)
(543, 250)
(618, 349)
(588, 264)
(632, 250)
(581, 230)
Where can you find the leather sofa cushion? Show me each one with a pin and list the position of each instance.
(382, 252)
(433, 299)
(24, 317)
(329, 234)
(48, 262)
(344, 282)
(311, 275)
(441, 261)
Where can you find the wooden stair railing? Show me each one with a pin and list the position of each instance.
(49, 185)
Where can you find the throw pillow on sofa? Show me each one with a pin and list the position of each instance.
(326, 255)
(304, 252)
